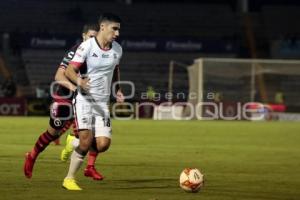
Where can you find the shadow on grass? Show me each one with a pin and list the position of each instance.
(156, 183)
(246, 194)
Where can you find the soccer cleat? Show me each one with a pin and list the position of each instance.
(28, 165)
(64, 155)
(67, 151)
(90, 171)
(70, 184)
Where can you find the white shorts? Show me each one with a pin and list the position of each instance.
(93, 116)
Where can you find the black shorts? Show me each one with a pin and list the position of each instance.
(60, 114)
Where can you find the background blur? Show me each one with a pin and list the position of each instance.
(35, 35)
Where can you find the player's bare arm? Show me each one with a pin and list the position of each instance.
(63, 80)
(71, 74)
(116, 79)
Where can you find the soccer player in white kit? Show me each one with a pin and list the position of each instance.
(97, 61)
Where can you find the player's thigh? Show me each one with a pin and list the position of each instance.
(83, 115)
(85, 138)
(101, 120)
(102, 127)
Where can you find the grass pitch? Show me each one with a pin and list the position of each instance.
(240, 160)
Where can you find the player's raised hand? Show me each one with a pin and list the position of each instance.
(120, 97)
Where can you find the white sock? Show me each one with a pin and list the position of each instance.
(76, 161)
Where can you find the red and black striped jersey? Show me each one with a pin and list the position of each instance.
(62, 93)
(68, 56)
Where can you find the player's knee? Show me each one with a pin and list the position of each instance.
(85, 141)
(103, 146)
(85, 144)
(81, 151)
(84, 147)
(53, 132)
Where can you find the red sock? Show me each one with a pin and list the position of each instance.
(42, 142)
(92, 158)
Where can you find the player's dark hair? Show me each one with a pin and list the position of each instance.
(110, 17)
(87, 27)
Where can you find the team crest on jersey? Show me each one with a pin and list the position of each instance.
(105, 55)
(84, 120)
(115, 56)
(57, 122)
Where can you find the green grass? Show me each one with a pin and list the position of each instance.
(240, 160)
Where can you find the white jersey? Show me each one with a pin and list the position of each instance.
(98, 65)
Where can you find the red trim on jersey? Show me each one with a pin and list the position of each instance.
(76, 64)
